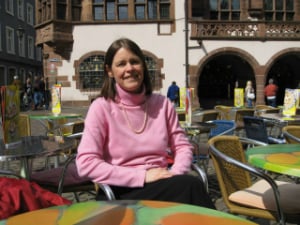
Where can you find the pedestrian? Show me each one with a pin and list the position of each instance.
(42, 86)
(37, 94)
(271, 92)
(28, 93)
(173, 94)
(249, 94)
(47, 94)
(117, 146)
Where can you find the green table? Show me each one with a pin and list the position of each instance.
(42, 117)
(51, 116)
(279, 158)
(31, 147)
(126, 213)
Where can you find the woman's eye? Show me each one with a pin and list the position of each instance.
(135, 62)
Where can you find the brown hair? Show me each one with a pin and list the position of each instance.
(109, 88)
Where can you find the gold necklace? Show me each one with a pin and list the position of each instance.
(128, 121)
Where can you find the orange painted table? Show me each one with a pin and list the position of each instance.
(279, 158)
(126, 213)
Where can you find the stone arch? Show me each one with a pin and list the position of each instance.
(283, 67)
(253, 64)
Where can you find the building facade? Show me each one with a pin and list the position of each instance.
(18, 53)
(212, 46)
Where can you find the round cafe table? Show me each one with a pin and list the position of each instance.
(279, 158)
(126, 213)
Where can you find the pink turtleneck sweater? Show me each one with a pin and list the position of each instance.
(111, 152)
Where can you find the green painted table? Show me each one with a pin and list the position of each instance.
(126, 213)
(42, 117)
(279, 158)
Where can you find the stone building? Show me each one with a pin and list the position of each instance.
(19, 56)
(209, 45)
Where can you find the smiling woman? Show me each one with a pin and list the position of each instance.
(128, 110)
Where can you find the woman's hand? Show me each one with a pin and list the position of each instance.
(155, 174)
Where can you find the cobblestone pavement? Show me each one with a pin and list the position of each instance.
(38, 129)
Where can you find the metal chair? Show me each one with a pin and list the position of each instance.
(224, 112)
(260, 199)
(256, 129)
(65, 178)
(291, 134)
(222, 127)
(239, 115)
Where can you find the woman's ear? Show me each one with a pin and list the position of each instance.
(109, 72)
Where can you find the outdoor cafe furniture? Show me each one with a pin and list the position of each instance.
(291, 133)
(54, 120)
(244, 195)
(281, 120)
(127, 212)
(283, 159)
(31, 147)
(256, 128)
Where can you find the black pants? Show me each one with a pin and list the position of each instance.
(186, 189)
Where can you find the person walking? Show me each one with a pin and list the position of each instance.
(37, 94)
(271, 92)
(117, 146)
(249, 94)
(173, 94)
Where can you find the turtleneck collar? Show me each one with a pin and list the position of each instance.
(128, 98)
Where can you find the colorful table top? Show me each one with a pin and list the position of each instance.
(126, 213)
(54, 116)
(279, 158)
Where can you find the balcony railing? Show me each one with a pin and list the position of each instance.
(244, 30)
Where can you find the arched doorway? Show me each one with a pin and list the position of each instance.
(218, 78)
(285, 72)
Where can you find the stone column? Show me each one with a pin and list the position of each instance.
(87, 10)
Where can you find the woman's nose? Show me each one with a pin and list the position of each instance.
(129, 66)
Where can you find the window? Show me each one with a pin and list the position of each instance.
(21, 46)
(20, 5)
(117, 10)
(30, 47)
(224, 9)
(43, 10)
(110, 10)
(279, 10)
(39, 53)
(30, 14)
(10, 43)
(98, 12)
(76, 10)
(9, 6)
(153, 73)
(61, 9)
(91, 73)
(152, 9)
(122, 10)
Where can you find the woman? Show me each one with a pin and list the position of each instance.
(249, 94)
(128, 130)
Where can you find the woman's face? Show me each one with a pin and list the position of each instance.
(127, 70)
